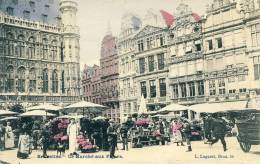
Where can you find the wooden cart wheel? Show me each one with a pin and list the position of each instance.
(245, 146)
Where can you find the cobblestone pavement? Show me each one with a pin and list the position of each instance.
(167, 154)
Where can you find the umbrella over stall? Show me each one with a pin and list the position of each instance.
(83, 106)
(172, 108)
(7, 113)
(47, 107)
(9, 118)
(36, 113)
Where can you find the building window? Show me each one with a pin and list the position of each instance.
(20, 47)
(256, 61)
(45, 48)
(45, 87)
(54, 82)
(143, 89)
(54, 50)
(10, 44)
(175, 91)
(44, 18)
(221, 86)
(162, 40)
(212, 87)
(142, 65)
(162, 87)
(151, 63)
(21, 80)
(210, 44)
(31, 47)
(255, 33)
(198, 47)
(200, 88)
(183, 90)
(47, 7)
(219, 42)
(232, 91)
(242, 90)
(32, 83)
(152, 89)
(140, 44)
(26, 14)
(149, 42)
(10, 79)
(32, 4)
(160, 58)
(191, 89)
(10, 11)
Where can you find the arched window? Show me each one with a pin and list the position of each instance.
(32, 82)
(62, 82)
(10, 79)
(20, 46)
(54, 82)
(45, 85)
(21, 79)
(54, 50)
(10, 44)
(62, 53)
(31, 47)
(45, 48)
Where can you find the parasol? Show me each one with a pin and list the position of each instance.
(83, 106)
(9, 118)
(7, 113)
(36, 113)
(172, 108)
(44, 107)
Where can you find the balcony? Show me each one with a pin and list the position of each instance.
(187, 57)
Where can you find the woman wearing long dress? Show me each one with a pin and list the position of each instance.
(9, 136)
(72, 132)
(24, 146)
(176, 132)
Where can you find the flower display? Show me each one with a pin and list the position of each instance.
(142, 121)
(84, 143)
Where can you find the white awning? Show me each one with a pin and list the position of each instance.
(218, 107)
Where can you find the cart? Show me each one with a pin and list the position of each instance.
(248, 125)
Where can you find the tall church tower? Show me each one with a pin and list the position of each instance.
(71, 46)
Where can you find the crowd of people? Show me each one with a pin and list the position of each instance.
(90, 135)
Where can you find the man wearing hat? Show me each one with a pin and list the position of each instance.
(124, 135)
(187, 133)
(45, 139)
(219, 130)
(112, 137)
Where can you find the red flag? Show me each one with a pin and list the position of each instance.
(196, 17)
(168, 18)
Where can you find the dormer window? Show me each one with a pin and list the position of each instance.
(10, 10)
(32, 4)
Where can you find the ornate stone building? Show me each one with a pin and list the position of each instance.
(91, 84)
(151, 77)
(109, 77)
(39, 61)
(127, 65)
(186, 64)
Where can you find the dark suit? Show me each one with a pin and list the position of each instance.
(219, 131)
(112, 139)
(45, 140)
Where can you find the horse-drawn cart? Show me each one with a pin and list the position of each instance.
(248, 125)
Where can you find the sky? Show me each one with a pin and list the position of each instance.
(94, 17)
